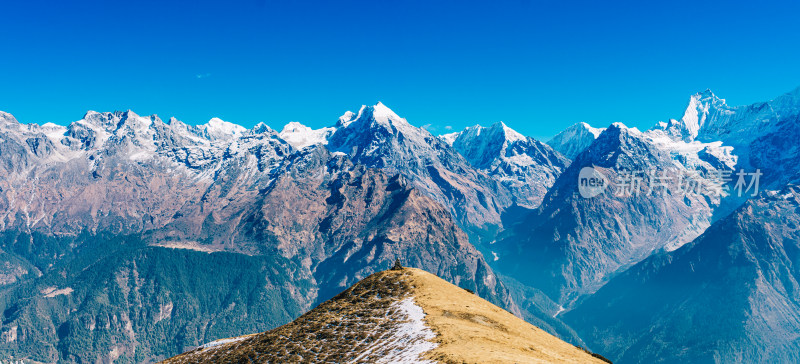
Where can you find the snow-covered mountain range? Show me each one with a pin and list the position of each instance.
(88, 207)
(326, 207)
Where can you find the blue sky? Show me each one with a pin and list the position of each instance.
(537, 65)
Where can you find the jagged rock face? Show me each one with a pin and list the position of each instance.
(377, 137)
(525, 166)
(731, 295)
(575, 139)
(571, 245)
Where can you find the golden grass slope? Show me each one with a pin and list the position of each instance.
(472, 330)
(357, 325)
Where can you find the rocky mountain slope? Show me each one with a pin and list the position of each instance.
(572, 244)
(397, 316)
(731, 295)
(379, 138)
(345, 220)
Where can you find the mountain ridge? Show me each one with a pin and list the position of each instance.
(402, 315)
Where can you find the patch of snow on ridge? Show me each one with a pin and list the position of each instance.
(54, 132)
(51, 292)
(410, 340)
(221, 342)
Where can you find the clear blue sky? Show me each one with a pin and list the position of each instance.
(537, 65)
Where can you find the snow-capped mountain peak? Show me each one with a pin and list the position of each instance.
(497, 137)
(301, 136)
(622, 126)
(378, 113)
(8, 121)
(595, 131)
(700, 106)
(527, 166)
(708, 118)
(373, 125)
(346, 118)
(95, 128)
(261, 128)
(380, 109)
(574, 139)
(120, 122)
(5, 116)
(106, 121)
(216, 129)
(511, 135)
